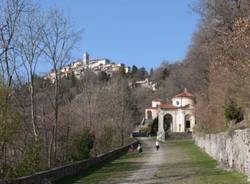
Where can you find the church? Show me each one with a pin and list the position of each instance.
(175, 117)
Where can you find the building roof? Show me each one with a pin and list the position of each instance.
(157, 99)
(167, 106)
(99, 59)
(185, 94)
(151, 108)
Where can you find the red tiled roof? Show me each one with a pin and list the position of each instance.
(157, 99)
(152, 108)
(185, 94)
(167, 106)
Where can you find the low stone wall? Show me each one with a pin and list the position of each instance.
(55, 174)
(232, 150)
(177, 136)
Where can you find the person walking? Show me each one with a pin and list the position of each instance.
(157, 145)
(139, 148)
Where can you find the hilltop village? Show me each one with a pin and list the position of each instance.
(95, 65)
(99, 66)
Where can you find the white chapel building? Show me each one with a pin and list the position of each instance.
(175, 117)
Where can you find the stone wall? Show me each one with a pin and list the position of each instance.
(232, 150)
(55, 174)
(178, 135)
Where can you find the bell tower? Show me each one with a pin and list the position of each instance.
(86, 58)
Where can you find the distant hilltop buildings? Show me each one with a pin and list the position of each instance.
(95, 65)
(78, 67)
(144, 84)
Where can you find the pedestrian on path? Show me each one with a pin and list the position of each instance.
(157, 145)
(139, 148)
(131, 148)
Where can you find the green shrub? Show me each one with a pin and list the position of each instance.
(31, 160)
(81, 145)
(233, 112)
(145, 129)
(107, 139)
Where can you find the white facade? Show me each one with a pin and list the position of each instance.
(127, 69)
(156, 103)
(182, 101)
(103, 61)
(98, 63)
(151, 114)
(179, 116)
(146, 84)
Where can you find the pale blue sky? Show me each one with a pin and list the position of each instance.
(134, 32)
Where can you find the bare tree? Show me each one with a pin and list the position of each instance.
(59, 39)
(30, 46)
(11, 13)
(120, 106)
(90, 90)
(219, 50)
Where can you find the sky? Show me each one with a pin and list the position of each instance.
(133, 32)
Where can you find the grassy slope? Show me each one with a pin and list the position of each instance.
(206, 168)
(114, 170)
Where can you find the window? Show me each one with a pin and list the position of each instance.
(188, 124)
(149, 115)
(177, 102)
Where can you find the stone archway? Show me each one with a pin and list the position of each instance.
(155, 127)
(168, 122)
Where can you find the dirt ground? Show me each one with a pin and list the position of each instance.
(160, 166)
(176, 162)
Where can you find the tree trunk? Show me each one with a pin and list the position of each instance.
(32, 107)
(56, 107)
(50, 148)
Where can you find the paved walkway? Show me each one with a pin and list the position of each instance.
(177, 162)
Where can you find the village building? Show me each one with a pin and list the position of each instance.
(175, 117)
(95, 65)
(147, 83)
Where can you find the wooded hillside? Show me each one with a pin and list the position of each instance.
(44, 124)
(216, 68)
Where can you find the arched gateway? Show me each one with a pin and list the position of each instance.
(177, 116)
(167, 122)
